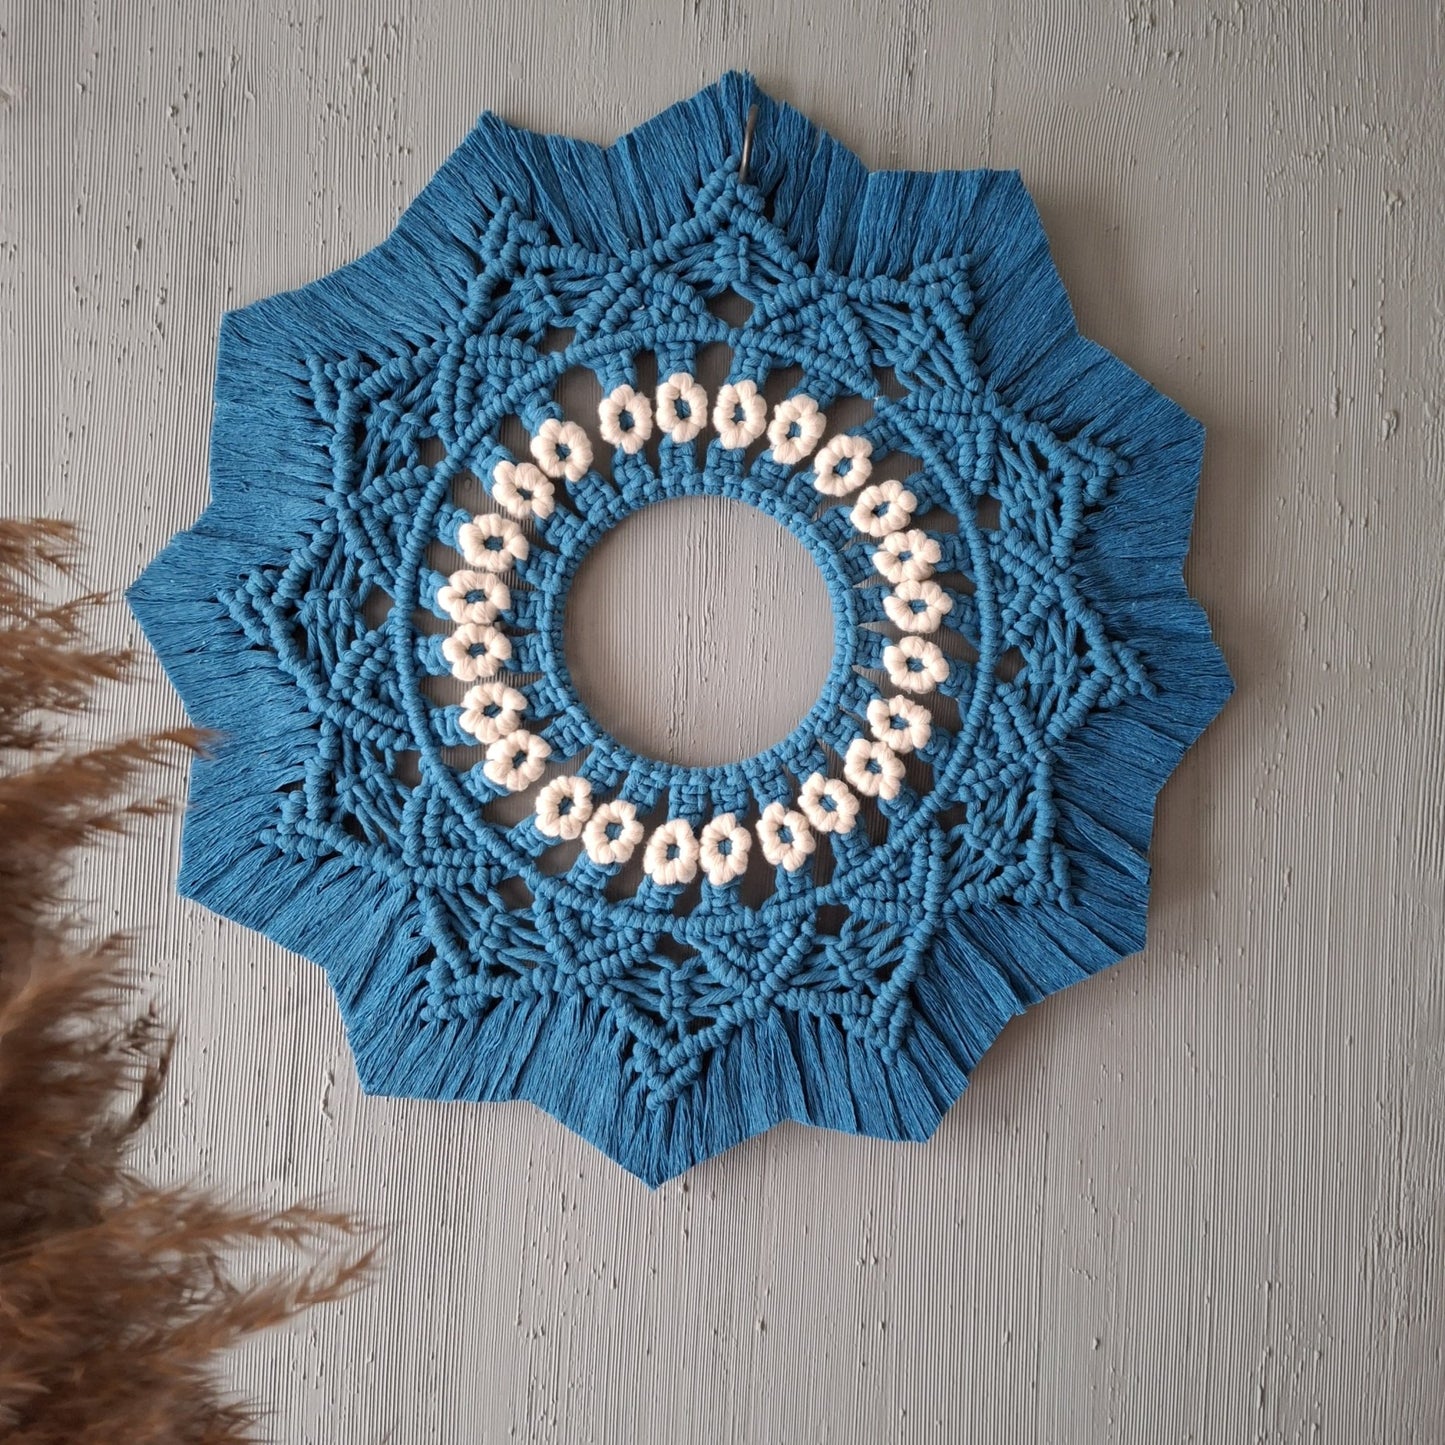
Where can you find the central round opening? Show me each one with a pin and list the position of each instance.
(699, 631)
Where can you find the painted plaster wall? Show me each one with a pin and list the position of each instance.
(1196, 1199)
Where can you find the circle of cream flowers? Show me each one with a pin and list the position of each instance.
(624, 418)
(565, 808)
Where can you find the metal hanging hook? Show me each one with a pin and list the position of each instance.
(748, 142)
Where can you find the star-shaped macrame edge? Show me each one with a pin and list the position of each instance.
(970, 965)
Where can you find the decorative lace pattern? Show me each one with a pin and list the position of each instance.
(508, 901)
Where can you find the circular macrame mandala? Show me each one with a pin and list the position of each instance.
(511, 904)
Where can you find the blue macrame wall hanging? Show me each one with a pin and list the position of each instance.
(370, 612)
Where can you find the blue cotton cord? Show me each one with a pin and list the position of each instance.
(509, 902)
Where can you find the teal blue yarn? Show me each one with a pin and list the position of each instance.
(335, 816)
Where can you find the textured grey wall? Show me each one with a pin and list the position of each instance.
(1198, 1198)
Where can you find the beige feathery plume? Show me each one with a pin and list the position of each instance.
(117, 1297)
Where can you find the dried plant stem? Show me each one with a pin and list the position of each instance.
(117, 1296)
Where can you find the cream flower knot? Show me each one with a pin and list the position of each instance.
(917, 606)
(681, 407)
(624, 419)
(902, 724)
(612, 832)
(828, 805)
(671, 855)
(491, 710)
(516, 761)
(915, 664)
(563, 807)
(843, 465)
(474, 596)
(795, 428)
(873, 768)
(739, 414)
(883, 507)
(523, 490)
(907, 556)
(476, 650)
(561, 449)
(492, 542)
(787, 839)
(723, 849)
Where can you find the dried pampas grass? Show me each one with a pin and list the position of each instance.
(116, 1296)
